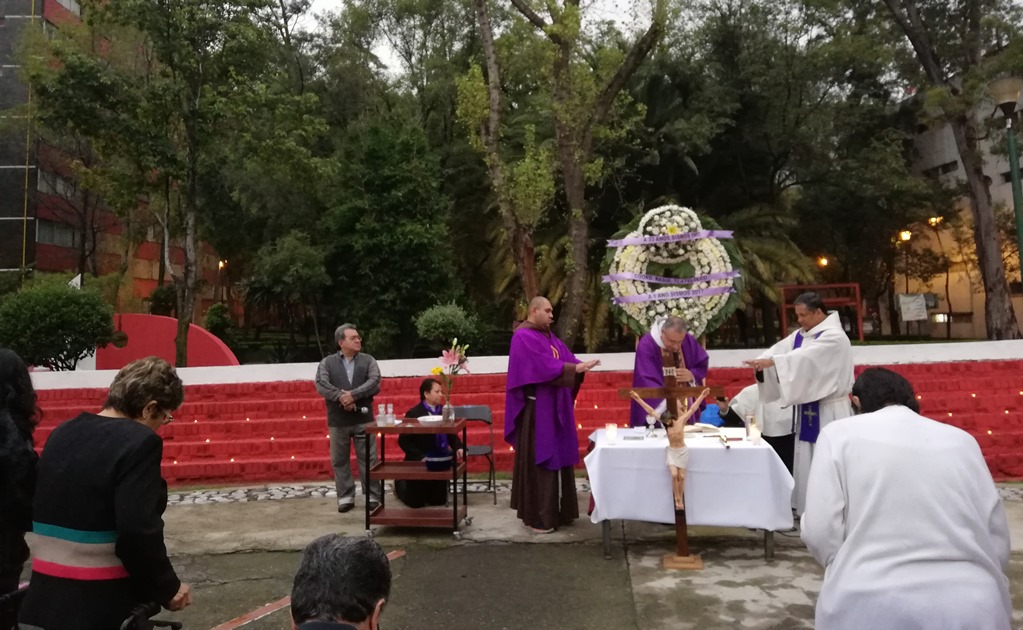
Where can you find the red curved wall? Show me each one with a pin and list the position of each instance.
(150, 335)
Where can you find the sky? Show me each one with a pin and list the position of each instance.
(617, 10)
(620, 11)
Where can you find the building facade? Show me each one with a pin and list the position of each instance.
(959, 311)
(47, 221)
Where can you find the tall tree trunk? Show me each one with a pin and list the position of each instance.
(571, 158)
(999, 316)
(769, 316)
(948, 294)
(190, 275)
(525, 259)
(893, 312)
(570, 319)
(187, 290)
(520, 236)
(575, 130)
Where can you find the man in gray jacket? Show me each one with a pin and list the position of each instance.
(348, 380)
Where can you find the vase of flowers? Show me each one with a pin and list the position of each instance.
(453, 362)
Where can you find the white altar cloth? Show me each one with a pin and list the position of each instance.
(746, 485)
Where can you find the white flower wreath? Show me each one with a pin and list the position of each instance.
(698, 298)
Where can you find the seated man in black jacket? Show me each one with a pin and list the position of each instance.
(417, 494)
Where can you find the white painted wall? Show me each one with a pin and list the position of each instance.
(623, 361)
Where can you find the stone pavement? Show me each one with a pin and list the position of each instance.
(238, 547)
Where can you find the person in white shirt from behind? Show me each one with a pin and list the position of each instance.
(903, 514)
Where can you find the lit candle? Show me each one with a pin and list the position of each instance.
(611, 433)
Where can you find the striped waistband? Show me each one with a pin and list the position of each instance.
(74, 554)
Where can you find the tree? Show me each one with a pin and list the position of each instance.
(55, 326)
(388, 248)
(524, 188)
(583, 96)
(155, 89)
(288, 277)
(949, 50)
(441, 323)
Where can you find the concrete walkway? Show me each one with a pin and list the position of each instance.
(238, 548)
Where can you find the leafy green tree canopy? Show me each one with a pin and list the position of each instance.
(55, 326)
(389, 250)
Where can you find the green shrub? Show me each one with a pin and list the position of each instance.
(218, 321)
(163, 300)
(55, 326)
(441, 323)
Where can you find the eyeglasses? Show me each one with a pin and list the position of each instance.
(167, 419)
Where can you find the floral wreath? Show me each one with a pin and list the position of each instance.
(692, 263)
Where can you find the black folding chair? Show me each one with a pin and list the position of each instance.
(481, 413)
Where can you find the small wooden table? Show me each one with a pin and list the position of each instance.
(440, 517)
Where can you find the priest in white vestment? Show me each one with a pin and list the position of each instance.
(903, 514)
(810, 371)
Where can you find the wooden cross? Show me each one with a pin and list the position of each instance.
(672, 393)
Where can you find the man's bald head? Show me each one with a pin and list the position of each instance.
(541, 314)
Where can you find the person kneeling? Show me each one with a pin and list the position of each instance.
(430, 447)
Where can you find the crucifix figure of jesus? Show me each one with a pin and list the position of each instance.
(678, 452)
(676, 398)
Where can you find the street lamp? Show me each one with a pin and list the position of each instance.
(216, 291)
(904, 236)
(1005, 93)
(822, 261)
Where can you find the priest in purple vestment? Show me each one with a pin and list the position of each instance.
(667, 334)
(539, 421)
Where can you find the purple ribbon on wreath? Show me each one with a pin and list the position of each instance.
(671, 295)
(669, 238)
(643, 277)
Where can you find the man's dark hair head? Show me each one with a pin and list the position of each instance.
(340, 579)
(878, 388)
(425, 387)
(811, 301)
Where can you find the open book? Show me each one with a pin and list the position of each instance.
(701, 427)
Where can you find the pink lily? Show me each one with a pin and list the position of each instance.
(449, 358)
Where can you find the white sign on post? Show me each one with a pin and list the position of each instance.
(913, 307)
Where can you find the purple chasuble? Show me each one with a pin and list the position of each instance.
(534, 361)
(809, 413)
(649, 371)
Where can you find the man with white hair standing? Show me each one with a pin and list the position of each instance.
(811, 371)
(348, 380)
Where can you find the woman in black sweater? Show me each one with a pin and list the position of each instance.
(417, 494)
(97, 531)
(18, 418)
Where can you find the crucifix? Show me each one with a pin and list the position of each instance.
(676, 397)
